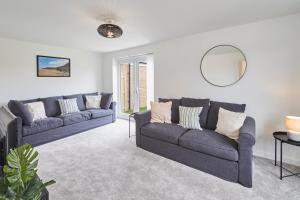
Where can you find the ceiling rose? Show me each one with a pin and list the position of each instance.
(109, 30)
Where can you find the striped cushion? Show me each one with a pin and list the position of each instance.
(68, 106)
(189, 117)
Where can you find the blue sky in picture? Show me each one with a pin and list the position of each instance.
(48, 62)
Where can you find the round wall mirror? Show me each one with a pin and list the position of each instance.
(223, 65)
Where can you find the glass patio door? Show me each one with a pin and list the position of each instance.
(132, 86)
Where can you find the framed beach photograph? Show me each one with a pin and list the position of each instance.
(48, 66)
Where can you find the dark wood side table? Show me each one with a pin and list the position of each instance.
(282, 138)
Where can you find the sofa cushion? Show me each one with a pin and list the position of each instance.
(51, 106)
(190, 102)
(19, 109)
(174, 109)
(80, 102)
(88, 94)
(211, 143)
(77, 117)
(213, 113)
(164, 132)
(97, 113)
(42, 125)
(106, 99)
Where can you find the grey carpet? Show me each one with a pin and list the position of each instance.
(103, 164)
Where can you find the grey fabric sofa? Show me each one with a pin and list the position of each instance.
(205, 150)
(56, 126)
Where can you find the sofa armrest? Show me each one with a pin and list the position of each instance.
(247, 133)
(11, 128)
(141, 119)
(246, 142)
(113, 107)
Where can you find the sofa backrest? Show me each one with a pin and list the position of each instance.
(51, 104)
(209, 113)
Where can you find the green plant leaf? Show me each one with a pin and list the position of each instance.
(21, 181)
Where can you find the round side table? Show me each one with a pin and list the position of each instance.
(282, 138)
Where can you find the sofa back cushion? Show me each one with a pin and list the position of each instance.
(191, 102)
(214, 112)
(106, 99)
(19, 109)
(174, 109)
(51, 106)
(80, 101)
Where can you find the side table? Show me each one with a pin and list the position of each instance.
(129, 117)
(282, 138)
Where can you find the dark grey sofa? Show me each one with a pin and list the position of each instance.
(56, 126)
(205, 150)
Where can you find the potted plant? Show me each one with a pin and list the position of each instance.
(20, 180)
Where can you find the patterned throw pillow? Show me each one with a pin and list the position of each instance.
(37, 110)
(189, 117)
(68, 106)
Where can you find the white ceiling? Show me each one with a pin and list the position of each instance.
(73, 23)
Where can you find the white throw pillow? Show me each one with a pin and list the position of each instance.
(37, 110)
(229, 123)
(161, 112)
(68, 106)
(189, 117)
(92, 101)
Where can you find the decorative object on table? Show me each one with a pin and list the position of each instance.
(20, 179)
(283, 138)
(48, 66)
(292, 124)
(223, 65)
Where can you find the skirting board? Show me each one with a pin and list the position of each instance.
(286, 159)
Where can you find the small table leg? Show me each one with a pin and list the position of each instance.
(280, 160)
(129, 126)
(275, 151)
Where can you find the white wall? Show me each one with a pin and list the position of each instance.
(270, 87)
(18, 76)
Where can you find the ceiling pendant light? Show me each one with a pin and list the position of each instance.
(109, 29)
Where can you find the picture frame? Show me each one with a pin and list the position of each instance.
(49, 66)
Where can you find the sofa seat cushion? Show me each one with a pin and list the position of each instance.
(42, 125)
(164, 132)
(97, 113)
(77, 117)
(211, 143)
